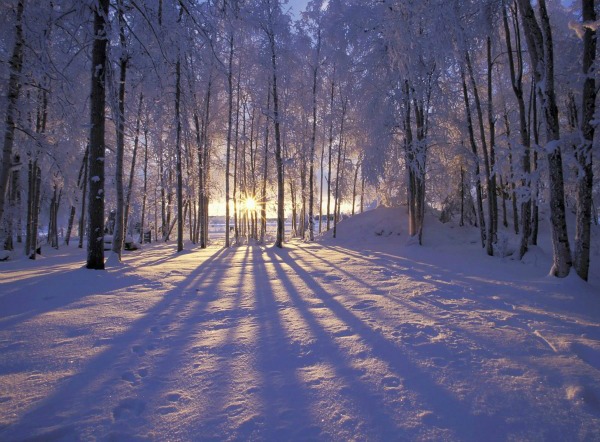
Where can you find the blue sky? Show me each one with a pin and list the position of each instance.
(297, 5)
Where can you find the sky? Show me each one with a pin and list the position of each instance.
(298, 5)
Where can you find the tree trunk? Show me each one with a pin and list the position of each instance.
(493, 196)
(362, 193)
(236, 221)
(480, 214)
(178, 167)
(462, 197)
(278, 152)
(80, 178)
(33, 203)
(229, 130)
(539, 42)
(533, 124)
(53, 218)
(321, 187)
(203, 160)
(585, 179)
(313, 140)
(355, 182)
(82, 223)
(95, 251)
(145, 191)
(504, 214)
(486, 160)
(119, 232)
(294, 207)
(516, 74)
(14, 87)
(337, 197)
(136, 142)
(330, 155)
(263, 196)
(513, 185)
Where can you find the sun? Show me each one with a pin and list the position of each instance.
(250, 204)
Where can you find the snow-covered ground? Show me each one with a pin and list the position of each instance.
(363, 337)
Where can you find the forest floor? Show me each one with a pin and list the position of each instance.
(363, 337)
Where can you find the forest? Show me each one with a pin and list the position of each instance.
(125, 117)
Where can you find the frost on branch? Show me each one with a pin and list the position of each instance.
(580, 28)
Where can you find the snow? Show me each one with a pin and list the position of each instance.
(362, 337)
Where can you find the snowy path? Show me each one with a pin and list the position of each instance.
(314, 342)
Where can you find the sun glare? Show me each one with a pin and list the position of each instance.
(250, 204)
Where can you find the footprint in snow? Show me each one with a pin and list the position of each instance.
(129, 407)
(390, 382)
(367, 304)
(332, 278)
(138, 350)
(173, 397)
(129, 377)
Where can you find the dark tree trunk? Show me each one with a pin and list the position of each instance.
(95, 251)
(278, 151)
(486, 160)
(330, 155)
(516, 75)
(80, 179)
(136, 142)
(313, 140)
(229, 130)
(585, 180)
(478, 189)
(539, 42)
(145, 190)
(14, 87)
(178, 166)
(120, 227)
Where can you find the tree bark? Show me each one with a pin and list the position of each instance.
(278, 154)
(178, 167)
(492, 195)
(136, 142)
(478, 189)
(80, 178)
(263, 196)
(14, 88)
(330, 154)
(337, 196)
(585, 178)
(486, 160)
(516, 75)
(539, 42)
(95, 250)
(145, 190)
(119, 232)
(313, 140)
(229, 130)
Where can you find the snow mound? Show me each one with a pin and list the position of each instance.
(385, 223)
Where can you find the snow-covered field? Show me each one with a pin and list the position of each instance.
(365, 337)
